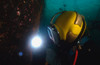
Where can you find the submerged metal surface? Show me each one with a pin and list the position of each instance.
(18, 20)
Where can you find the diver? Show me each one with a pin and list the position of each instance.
(67, 34)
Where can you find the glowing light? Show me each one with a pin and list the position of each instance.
(20, 53)
(36, 42)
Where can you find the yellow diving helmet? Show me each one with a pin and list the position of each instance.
(69, 26)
